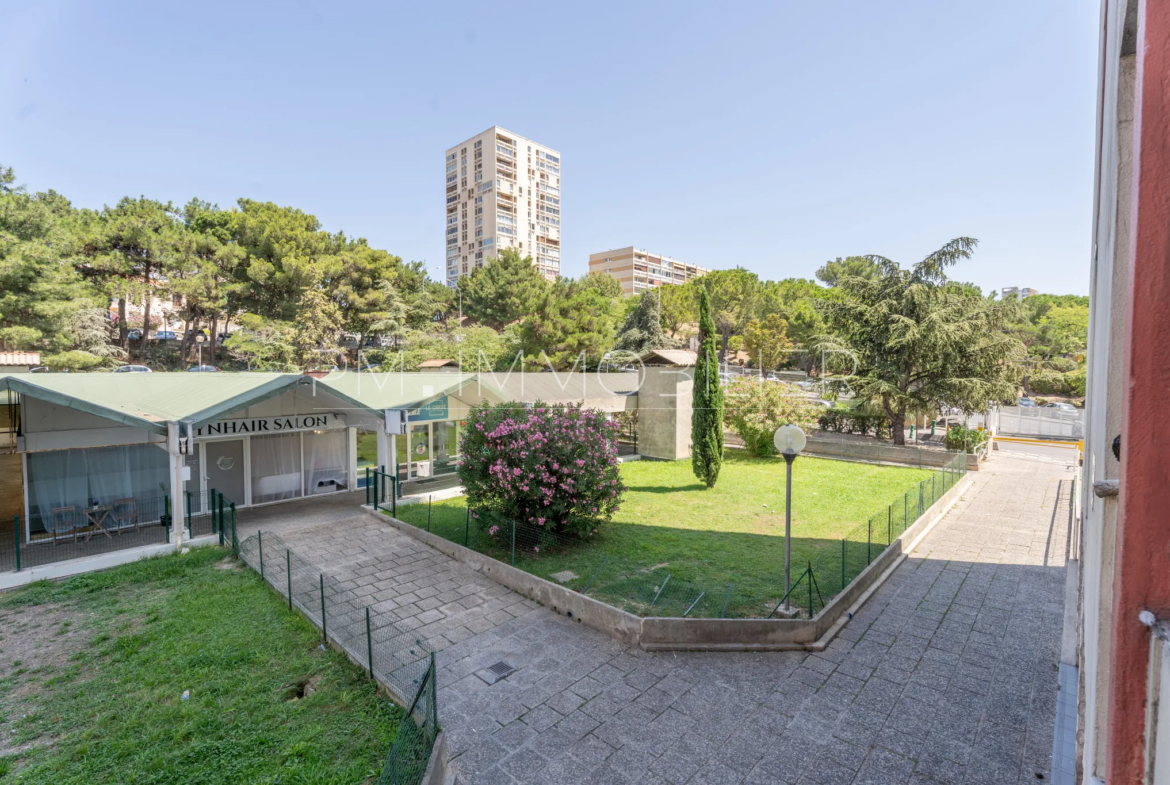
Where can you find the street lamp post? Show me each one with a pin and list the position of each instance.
(789, 441)
(199, 343)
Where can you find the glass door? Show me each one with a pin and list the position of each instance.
(420, 450)
(446, 448)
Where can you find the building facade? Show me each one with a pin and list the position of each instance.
(503, 191)
(1020, 293)
(1122, 656)
(638, 270)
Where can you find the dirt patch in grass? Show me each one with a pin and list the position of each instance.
(92, 668)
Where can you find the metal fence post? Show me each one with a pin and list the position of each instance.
(869, 543)
(216, 525)
(890, 525)
(369, 643)
(221, 521)
(189, 514)
(513, 543)
(288, 572)
(367, 485)
(921, 491)
(16, 533)
(376, 491)
(933, 498)
(906, 507)
(235, 541)
(467, 526)
(394, 494)
(260, 545)
(167, 517)
(430, 503)
(843, 564)
(324, 629)
(808, 573)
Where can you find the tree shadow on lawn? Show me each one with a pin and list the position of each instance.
(695, 486)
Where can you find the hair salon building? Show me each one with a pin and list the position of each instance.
(88, 457)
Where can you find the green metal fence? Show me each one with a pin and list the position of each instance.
(382, 490)
(837, 567)
(390, 654)
(406, 762)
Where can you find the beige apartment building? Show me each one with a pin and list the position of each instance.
(638, 270)
(503, 191)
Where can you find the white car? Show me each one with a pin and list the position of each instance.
(132, 369)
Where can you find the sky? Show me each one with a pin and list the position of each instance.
(769, 135)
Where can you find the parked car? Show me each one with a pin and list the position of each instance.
(132, 369)
(202, 369)
(41, 369)
(134, 335)
(1027, 403)
(166, 335)
(1064, 407)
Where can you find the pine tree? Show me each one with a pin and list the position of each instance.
(318, 332)
(642, 328)
(707, 401)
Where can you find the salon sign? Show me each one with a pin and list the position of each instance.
(267, 425)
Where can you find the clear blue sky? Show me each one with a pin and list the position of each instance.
(772, 135)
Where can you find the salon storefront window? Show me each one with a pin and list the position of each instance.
(367, 455)
(446, 435)
(73, 480)
(325, 462)
(276, 467)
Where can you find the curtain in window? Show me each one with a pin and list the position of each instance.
(76, 478)
(134, 471)
(325, 461)
(55, 479)
(276, 467)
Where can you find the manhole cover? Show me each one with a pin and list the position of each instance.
(497, 672)
(564, 576)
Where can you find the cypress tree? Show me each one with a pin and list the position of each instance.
(707, 400)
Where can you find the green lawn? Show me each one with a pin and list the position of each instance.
(704, 539)
(93, 671)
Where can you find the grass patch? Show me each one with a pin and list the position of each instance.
(730, 534)
(110, 655)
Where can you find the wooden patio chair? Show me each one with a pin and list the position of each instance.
(125, 514)
(64, 522)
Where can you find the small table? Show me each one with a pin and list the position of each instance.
(97, 516)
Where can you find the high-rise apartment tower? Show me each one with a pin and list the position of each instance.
(503, 191)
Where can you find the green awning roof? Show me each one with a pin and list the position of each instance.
(150, 400)
(408, 390)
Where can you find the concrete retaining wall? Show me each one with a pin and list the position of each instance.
(626, 627)
(677, 634)
(879, 452)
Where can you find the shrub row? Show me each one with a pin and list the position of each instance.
(848, 421)
(962, 439)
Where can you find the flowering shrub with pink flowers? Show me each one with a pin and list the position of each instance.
(549, 467)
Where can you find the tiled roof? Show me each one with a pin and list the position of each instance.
(20, 358)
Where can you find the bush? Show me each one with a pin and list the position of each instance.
(1048, 382)
(553, 467)
(755, 409)
(853, 421)
(960, 438)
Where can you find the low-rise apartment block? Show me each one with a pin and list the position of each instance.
(503, 191)
(638, 270)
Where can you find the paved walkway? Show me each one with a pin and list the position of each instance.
(947, 675)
